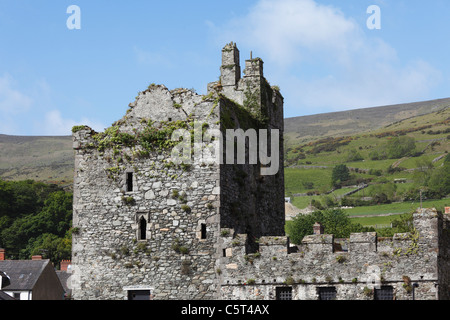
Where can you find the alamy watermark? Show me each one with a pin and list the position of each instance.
(73, 22)
(373, 277)
(374, 21)
(236, 146)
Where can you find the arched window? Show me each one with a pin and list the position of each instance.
(142, 229)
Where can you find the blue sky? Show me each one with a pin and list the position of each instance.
(319, 52)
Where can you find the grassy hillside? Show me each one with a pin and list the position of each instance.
(372, 159)
(46, 159)
(303, 129)
(314, 145)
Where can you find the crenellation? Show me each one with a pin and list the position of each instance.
(203, 229)
(314, 264)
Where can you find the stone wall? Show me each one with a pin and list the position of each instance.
(398, 262)
(213, 230)
(142, 220)
(250, 202)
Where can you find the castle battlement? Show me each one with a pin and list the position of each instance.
(146, 220)
(147, 225)
(318, 262)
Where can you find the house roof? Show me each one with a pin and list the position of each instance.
(64, 278)
(22, 274)
(5, 296)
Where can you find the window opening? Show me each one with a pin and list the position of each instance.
(284, 293)
(130, 181)
(142, 229)
(384, 293)
(327, 293)
(139, 295)
(203, 231)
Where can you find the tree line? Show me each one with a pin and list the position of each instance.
(35, 219)
(338, 223)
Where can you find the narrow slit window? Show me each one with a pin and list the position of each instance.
(130, 181)
(203, 231)
(142, 229)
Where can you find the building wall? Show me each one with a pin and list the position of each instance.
(212, 230)
(399, 262)
(109, 254)
(179, 203)
(48, 286)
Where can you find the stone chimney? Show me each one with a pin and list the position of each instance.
(36, 258)
(318, 228)
(2, 254)
(230, 71)
(65, 265)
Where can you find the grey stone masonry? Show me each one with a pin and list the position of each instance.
(144, 222)
(148, 225)
(416, 261)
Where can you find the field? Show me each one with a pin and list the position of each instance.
(396, 208)
(309, 167)
(46, 159)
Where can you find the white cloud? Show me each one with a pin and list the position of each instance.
(12, 101)
(280, 28)
(325, 61)
(56, 125)
(13, 105)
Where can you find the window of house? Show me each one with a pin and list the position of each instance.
(384, 293)
(129, 181)
(283, 293)
(327, 293)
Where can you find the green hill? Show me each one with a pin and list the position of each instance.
(395, 161)
(50, 159)
(46, 159)
(307, 128)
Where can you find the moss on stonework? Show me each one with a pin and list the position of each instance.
(233, 115)
(79, 128)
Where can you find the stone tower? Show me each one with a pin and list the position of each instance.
(149, 226)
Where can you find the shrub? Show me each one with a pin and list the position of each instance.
(340, 173)
(354, 155)
(399, 147)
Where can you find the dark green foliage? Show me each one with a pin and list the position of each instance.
(340, 173)
(401, 225)
(35, 218)
(399, 147)
(354, 155)
(334, 221)
(439, 182)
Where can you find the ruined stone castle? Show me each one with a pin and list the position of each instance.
(147, 226)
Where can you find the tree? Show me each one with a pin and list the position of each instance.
(399, 147)
(354, 155)
(339, 174)
(334, 221)
(28, 211)
(383, 193)
(51, 247)
(439, 182)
